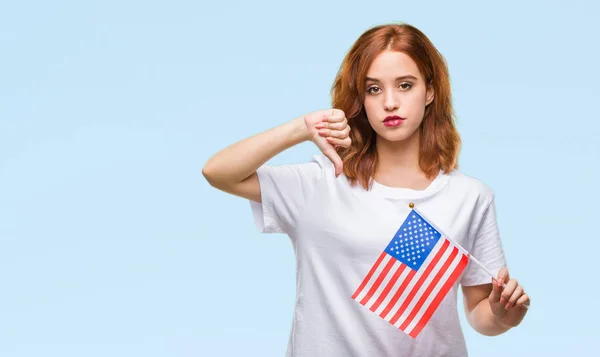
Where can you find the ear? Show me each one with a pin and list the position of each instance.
(430, 95)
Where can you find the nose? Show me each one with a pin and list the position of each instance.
(391, 102)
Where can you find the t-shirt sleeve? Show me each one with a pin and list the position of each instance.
(285, 191)
(486, 248)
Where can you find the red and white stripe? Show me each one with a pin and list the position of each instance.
(407, 298)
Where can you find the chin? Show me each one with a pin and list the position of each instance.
(394, 138)
(396, 135)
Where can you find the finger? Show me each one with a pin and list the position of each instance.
(510, 288)
(340, 134)
(514, 297)
(503, 275)
(496, 291)
(523, 300)
(324, 132)
(335, 159)
(332, 126)
(328, 132)
(337, 117)
(337, 133)
(327, 113)
(339, 142)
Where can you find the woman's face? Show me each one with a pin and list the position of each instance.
(396, 96)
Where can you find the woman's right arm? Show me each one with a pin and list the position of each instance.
(233, 169)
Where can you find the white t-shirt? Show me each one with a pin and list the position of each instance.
(338, 231)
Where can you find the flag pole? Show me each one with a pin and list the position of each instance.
(471, 257)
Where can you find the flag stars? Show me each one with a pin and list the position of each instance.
(412, 241)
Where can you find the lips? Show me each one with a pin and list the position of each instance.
(393, 120)
(393, 117)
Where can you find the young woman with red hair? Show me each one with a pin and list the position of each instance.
(388, 144)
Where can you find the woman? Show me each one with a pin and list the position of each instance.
(389, 144)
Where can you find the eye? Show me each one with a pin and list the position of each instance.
(406, 86)
(370, 90)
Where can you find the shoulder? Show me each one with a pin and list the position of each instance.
(318, 162)
(322, 161)
(320, 165)
(306, 171)
(470, 186)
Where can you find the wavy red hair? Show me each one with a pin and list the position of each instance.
(439, 139)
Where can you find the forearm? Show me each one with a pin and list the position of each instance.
(483, 320)
(240, 160)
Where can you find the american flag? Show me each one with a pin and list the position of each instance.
(412, 275)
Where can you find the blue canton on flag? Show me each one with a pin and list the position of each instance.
(413, 241)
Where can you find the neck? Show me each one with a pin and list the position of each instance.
(400, 156)
(398, 164)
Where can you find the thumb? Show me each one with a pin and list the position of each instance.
(335, 159)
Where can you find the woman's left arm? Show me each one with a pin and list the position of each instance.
(493, 309)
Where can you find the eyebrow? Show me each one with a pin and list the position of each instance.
(408, 76)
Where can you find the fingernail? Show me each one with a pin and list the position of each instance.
(320, 126)
(323, 131)
(502, 300)
(507, 306)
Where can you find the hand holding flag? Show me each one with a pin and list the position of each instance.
(508, 300)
